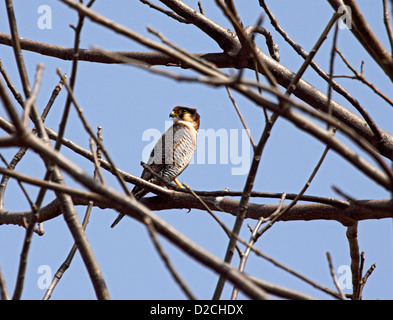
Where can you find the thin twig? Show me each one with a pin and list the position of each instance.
(164, 256)
(331, 72)
(170, 14)
(200, 8)
(366, 276)
(251, 242)
(360, 76)
(14, 91)
(265, 113)
(334, 276)
(97, 168)
(31, 99)
(66, 264)
(295, 273)
(362, 260)
(39, 230)
(3, 288)
(241, 117)
(52, 98)
(388, 26)
(281, 291)
(25, 250)
(17, 49)
(272, 47)
(222, 225)
(187, 54)
(352, 232)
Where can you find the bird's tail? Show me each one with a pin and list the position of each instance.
(138, 194)
(119, 217)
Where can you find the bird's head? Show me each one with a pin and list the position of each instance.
(185, 114)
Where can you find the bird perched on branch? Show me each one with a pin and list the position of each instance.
(172, 152)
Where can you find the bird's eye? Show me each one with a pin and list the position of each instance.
(184, 110)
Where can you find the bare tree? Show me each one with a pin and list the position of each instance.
(245, 69)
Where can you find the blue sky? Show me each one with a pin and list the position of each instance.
(127, 102)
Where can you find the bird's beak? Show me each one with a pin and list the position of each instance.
(172, 114)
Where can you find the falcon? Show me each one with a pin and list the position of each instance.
(172, 153)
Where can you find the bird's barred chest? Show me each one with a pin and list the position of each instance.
(174, 150)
